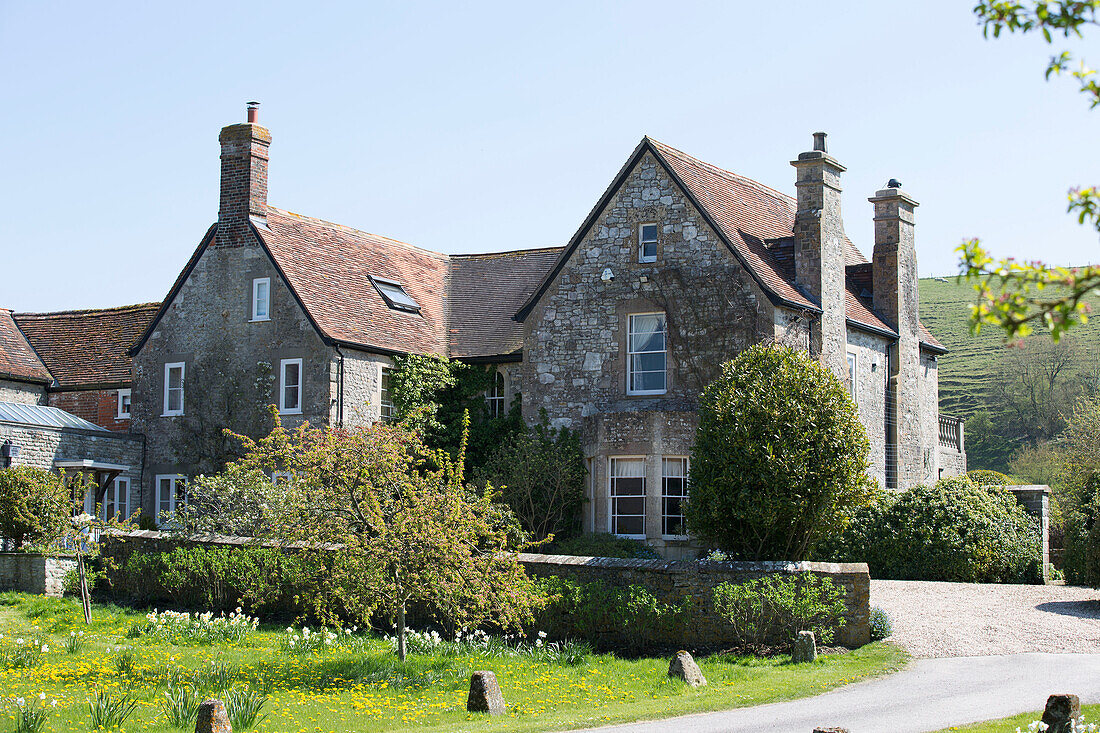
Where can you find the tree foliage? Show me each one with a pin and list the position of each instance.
(541, 473)
(1079, 495)
(779, 458)
(1016, 296)
(34, 505)
(403, 526)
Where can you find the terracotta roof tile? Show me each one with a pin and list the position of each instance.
(87, 347)
(485, 291)
(329, 266)
(17, 358)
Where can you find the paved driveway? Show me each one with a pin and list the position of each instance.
(967, 619)
(928, 695)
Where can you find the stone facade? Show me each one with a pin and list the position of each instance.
(362, 388)
(25, 393)
(869, 392)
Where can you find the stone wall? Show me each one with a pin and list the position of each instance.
(671, 581)
(24, 393)
(41, 446)
(870, 394)
(1035, 498)
(362, 387)
(32, 573)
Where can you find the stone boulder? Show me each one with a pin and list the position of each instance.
(1061, 712)
(485, 695)
(684, 667)
(830, 730)
(805, 648)
(212, 718)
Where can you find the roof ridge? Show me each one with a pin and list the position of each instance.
(84, 311)
(530, 250)
(353, 230)
(720, 171)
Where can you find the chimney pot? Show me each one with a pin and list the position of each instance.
(253, 112)
(819, 141)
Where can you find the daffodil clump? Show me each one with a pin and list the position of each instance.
(180, 627)
(30, 713)
(1077, 725)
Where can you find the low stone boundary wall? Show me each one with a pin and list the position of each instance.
(669, 580)
(672, 580)
(32, 573)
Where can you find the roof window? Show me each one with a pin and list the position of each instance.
(394, 295)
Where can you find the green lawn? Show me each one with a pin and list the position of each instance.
(341, 690)
(1009, 725)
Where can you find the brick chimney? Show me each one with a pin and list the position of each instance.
(819, 251)
(244, 178)
(894, 294)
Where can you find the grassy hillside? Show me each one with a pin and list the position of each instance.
(968, 370)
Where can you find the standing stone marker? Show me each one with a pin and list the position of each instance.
(830, 730)
(485, 694)
(212, 718)
(805, 648)
(1061, 712)
(684, 667)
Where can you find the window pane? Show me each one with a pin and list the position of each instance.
(396, 294)
(260, 310)
(649, 232)
(629, 525)
(175, 378)
(627, 467)
(649, 382)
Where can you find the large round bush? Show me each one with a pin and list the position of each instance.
(779, 458)
(955, 530)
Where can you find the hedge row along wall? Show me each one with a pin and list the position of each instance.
(669, 580)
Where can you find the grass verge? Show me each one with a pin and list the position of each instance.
(1022, 721)
(366, 689)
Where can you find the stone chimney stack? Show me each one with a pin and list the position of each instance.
(894, 266)
(819, 251)
(244, 178)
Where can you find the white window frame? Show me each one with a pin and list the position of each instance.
(642, 257)
(120, 413)
(120, 487)
(280, 478)
(175, 489)
(630, 354)
(665, 496)
(611, 515)
(182, 388)
(283, 364)
(494, 399)
(853, 376)
(385, 396)
(256, 283)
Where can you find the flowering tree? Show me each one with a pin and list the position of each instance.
(402, 525)
(1013, 295)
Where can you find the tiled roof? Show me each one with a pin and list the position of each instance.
(17, 358)
(329, 267)
(485, 291)
(750, 214)
(87, 347)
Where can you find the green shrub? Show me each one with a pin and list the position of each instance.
(219, 579)
(780, 456)
(767, 613)
(603, 545)
(34, 505)
(879, 622)
(983, 477)
(624, 618)
(954, 531)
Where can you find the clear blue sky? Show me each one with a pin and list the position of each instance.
(466, 127)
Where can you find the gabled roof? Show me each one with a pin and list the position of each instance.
(485, 291)
(87, 348)
(17, 358)
(755, 221)
(329, 267)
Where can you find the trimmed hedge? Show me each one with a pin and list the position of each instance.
(267, 581)
(954, 531)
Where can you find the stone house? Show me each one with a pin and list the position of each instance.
(678, 267)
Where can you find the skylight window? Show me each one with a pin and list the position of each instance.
(395, 295)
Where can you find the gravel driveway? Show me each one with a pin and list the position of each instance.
(967, 619)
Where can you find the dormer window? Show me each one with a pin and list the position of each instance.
(395, 296)
(647, 243)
